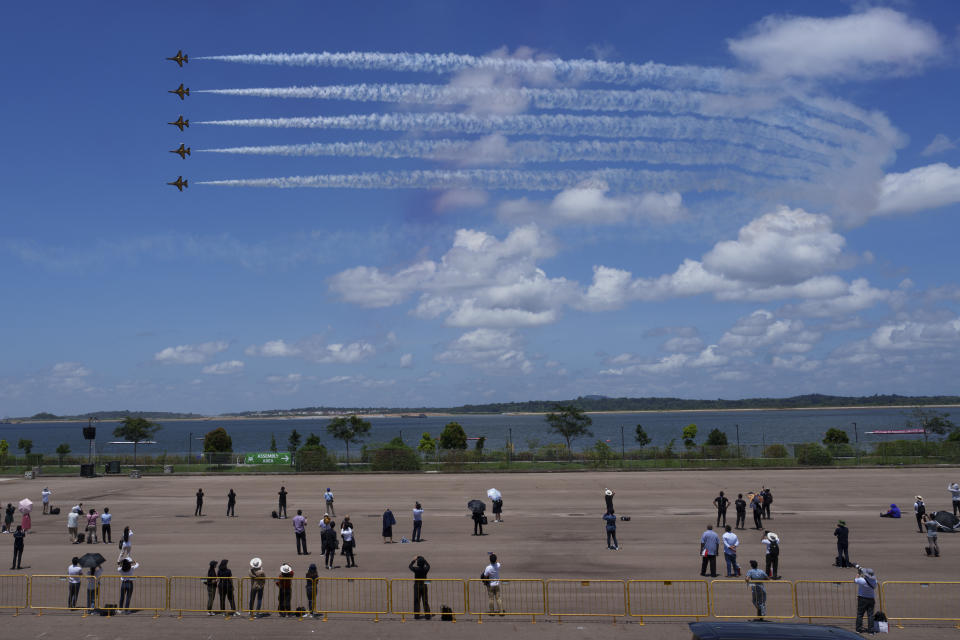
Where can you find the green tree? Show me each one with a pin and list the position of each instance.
(812, 454)
(136, 430)
(836, 437)
(312, 443)
(482, 440)
(25, 445)
(63, 449)
(313, 456)
(603, 453)
(689, 435)
(273, 443)
(931, 421)
(427, 444)
(395, 456)
(4, 451)
(569, 422)
(453, 437)
(217, 441)
(717, 438)
(293, 442)
(352, 429)
(641, 436)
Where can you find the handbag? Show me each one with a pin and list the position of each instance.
(483, 519)
(882, 626)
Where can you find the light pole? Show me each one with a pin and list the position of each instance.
(856, 439)
(623, 451)
(738, 441)
(509, 444)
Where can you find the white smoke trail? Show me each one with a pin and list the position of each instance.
(763, 137)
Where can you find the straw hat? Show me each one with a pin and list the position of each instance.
(607, 492)
(256, 563)
(842, 523)
(955, 487)
(285, 568)
(920, 498)
(772, 537)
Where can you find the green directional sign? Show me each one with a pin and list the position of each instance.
(270, 457)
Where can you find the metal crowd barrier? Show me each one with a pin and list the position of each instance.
(14, 592)
(520, 597)
(370, 596)
(595, 598)
(149, 593)
(734, 599)
(922, 601)
(668, 599)
(298, 606)
(442, 592)
(51, 592)
(194, 594)
(833, 599)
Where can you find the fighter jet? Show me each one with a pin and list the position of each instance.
(179, 183)
(180, 91)
(180, 122)
(183, 151)
(180, 58)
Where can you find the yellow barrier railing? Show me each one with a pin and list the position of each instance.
(442, 592)
(519, 597)
(834, 599)
(14, 592)
(286, 597)
(739, 599)
(930, 601)
(607, 598)
(370, 596)
(668, 599)
(57, 592)
(194, 594)
(140, 593)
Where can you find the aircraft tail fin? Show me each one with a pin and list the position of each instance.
(188, 150)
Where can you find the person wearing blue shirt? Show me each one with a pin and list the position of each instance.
(893, 512)
(866, 581)
(709, 548)
(758, 592)
(611, 527)
(328, 499)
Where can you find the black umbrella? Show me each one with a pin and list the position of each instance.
(91, 560)
(947, 521)
(477, 506)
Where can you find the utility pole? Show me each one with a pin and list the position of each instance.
(856, 439)
(739, 455)
(509, 444)
(623, 451)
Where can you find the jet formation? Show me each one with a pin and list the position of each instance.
(180, 58)
(180, 91)
(183, 151)
(179, 183)
(180, 123)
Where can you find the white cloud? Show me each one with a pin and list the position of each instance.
(316, 349)
(913, 335)
(762, 330)
(273, 349)
(223, 368)
(190, 353)
(406, 361)
(345, 353)
(69, 376)
(490, 349)
(592, 204)
(939, 144)
(928, 187)
(460, 199)
(874, 42)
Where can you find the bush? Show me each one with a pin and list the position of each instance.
(717, 438)
(395, 456)
(315, 459)
(776, 451)
(600, 454)
(813, 454)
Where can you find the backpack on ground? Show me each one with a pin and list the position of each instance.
(273, 514)
(54, 511)
(81, 537)
(446, 613)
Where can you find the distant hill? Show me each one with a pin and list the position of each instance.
(44, 416)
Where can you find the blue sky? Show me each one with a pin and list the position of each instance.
(444, 203)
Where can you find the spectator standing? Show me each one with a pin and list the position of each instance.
(126, 543)
(417, 522)
(45, 499)
(231, 503)
(328, 498)
(954, 490)
(125, 569)
(420, 568)
(257, 582)
(756, 505)
(199, 510)
(92, 577)
(349, 542)
(610, 521)
(300, 531)
(722, 502)
(388, 522)
(931, 526)
(741, 506)
(285, 590)
(758, 592)
(105, 519)
(497, 510)
(478, 519)
(608, 499)
(328, 544)
(866, 581)
(73, 519)
(211, 584)
(730, 544)
(311, 588)
(491, 577)
(92, 526)
(8, 518)
(771, 550)
(74, 571)
(282, 503)
(766, 497)
(709, 547)
(18, 537)
(225, 587)
(26, 522)
(919, 510)
(843, 539)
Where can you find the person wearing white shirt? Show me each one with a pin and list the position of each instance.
(417, 522)
(491, 577)
(125, 569)
(45, 499)
(954, 490)
(74, 571)
(72, 519)
(730, 544)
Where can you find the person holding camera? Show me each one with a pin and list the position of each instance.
(866, 582)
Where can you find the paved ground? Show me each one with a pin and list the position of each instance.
(552, 529)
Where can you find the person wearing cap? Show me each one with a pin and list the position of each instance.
(257, 581)
(45, 498)
(866, 581)
(420, 568)
(843, 535)
(328, 498)
(771, 551)
(300, 531)
(919, 510)
(285, 590)
(709, 547)
(931, 526)
(608, 498)
(954, 490)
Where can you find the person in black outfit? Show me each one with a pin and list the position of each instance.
(420, 568)
(767, 498)
(843, 536)
(478, 523)
(741, 506)
(329, 544)
(282, 506)
(225, 586)
(757, 505)
(231, 503)
(722, 503)
(199, 510)
(18, 537)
